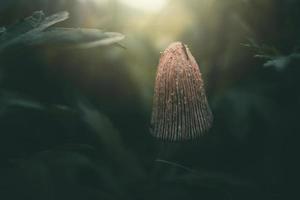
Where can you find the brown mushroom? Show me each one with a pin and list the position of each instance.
(180, 108)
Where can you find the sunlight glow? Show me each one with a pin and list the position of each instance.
(146, 5)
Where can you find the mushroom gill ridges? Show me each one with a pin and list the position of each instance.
(180, 108)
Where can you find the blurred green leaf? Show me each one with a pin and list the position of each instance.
(8, 99)
(110, 138)
(83, 38)
(2, 30)
(32, 31)
(272, 55)
(261, 51)
(27, 28)
(40, 23)
(203, 178)
(281, 62)
(100, 124)
(23, 26)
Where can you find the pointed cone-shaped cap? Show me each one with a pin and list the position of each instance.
(180, 108)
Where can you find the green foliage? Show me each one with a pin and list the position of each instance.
(272, 56)
(74, 121)
(33, 31)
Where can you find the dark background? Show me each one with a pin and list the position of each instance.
(74, 123)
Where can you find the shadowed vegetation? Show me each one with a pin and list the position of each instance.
(76, 87)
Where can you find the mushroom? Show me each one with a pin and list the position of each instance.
(180, 108)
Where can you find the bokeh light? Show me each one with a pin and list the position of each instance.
(146, 5)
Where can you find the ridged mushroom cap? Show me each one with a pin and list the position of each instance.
(180, 108)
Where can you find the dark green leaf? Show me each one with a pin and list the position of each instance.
(32, 31)
(83, 38)
(8, 99)
(2, 30)
(281, 62)
(42, 24)
(29, 27)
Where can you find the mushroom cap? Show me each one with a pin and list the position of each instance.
(180, 108)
